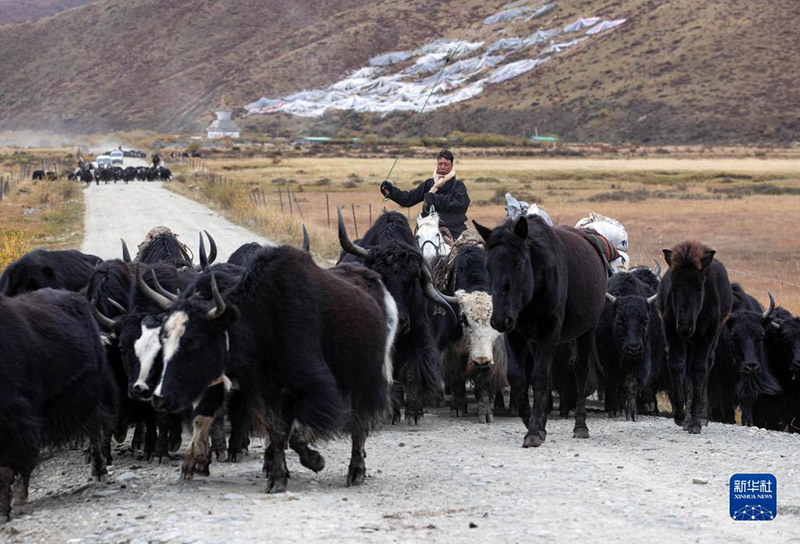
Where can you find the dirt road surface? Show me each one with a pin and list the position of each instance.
(447, 480)
(130, 210)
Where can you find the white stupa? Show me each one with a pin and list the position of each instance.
(223, 126)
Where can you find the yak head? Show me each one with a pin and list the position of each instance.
(508, 262)
(631, 323)
(688, 262)
(475, 312)
(195, 344)
(788, 328)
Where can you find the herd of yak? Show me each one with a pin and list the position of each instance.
(89, 174)
(281, 346)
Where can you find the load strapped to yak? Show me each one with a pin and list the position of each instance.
(612, 241)
(613, 231)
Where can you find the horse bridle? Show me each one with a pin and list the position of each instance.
(431, 242)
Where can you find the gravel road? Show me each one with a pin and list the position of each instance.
(130, 210)
(447, 480)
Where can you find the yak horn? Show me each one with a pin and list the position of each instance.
(202, 252)
(219, 303)
(345, 242)
(163, 302)
(449, 298)
(611, 297)
(126, 255)
(171, 296)
(306, 240)
(120, 308)
(657, 271)
(652, 299)
(104, 320)
(212, 249)
(771, 305)
(430, 291)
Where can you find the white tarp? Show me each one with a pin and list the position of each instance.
(605, 25)
(559, 47)
(580, 24)
(516, 12)
(541, 36)
(505, 44)
(513, 69)
(393, 57)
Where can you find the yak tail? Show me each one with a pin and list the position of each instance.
(319, 403)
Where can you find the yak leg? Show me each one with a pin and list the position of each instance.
(300, 440)
(198, 456)
(137, 442)
(197, 459)
(278, 474)
(99, 470)
(484, 394)
(21, 488)
(240, 426)
(584, 345)
(358, 469)
(540, 378)
(218, 445)
(698, 371)
(676, 360)
(397, 397)
(414, 402)
(6, 479)
(458, 382)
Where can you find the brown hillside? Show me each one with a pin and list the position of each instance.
(678, 71)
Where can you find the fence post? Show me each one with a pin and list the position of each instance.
(355, 221)
(280, 197)
(370, 213)
(289, 198)
(297, 205)
(328, 210)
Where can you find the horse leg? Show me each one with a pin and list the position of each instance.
(517, 351)
(540, 379)
(584, 345)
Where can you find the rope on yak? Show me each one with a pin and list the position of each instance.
(450, 54)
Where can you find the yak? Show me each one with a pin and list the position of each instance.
(694, 300)
(60, 269)
(56, 387)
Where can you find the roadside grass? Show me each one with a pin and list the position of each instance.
(47, 214)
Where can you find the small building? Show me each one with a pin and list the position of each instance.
(223, 126)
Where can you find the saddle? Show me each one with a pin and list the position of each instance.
(604, 249)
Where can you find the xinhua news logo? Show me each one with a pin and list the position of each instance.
(754, 497)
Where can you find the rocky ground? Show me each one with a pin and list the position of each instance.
(446, 480)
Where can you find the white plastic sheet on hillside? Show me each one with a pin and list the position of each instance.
(541, 36)
(580, 24)
(513, 69)
(559, 47)
(515, 12)
(367, 71)
(462, 48)
(605, 25)
(505, 44)
(506, 15)
(262, 103)
(393, 57)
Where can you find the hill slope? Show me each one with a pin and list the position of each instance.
(678, 71)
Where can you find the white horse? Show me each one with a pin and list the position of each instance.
(429, 237)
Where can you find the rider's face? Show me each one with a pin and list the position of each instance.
(443, 166)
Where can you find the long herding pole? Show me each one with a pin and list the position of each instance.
(447, 59)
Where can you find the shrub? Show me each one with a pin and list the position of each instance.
(13, 245)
